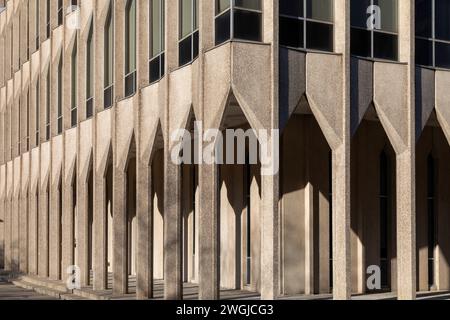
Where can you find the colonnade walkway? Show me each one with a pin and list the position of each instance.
(58, 289)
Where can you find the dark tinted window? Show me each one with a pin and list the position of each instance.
(246, 18)
(374, 27)
(433, 36)
(315, 31)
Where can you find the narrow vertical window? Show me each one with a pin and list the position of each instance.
(248, 240)
(27, 134)
(330, 218)
(19, 127)
(37, 112)
(37, 23)
(238, 19)
(109, 58)
(130, 48)
(73, 86)
(90, 73)
(189, 35)
(307, 24)
(60, 12)
(431, 198)
(48, 19)
(379, 40)
(48, 107)
(156, 64)
(384, 218)
(60, 111)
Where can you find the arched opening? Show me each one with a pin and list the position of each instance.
(239, 196)
(74, 215)
(60, 229)
(305, 206)
(109, 221)
(189, 207)
(432, 208)
(90, 222)
(157, 212)
(373, 208)
(131, 216)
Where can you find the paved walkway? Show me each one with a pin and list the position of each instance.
(9, 291)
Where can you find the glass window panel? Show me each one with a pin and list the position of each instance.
(248, 4)
(360, 42)
(156, 27)
(90, 64)
(155, 69)
(442, 19)
(74, 76)
(222, 28)
(291, 32)
(385, 46)
(319, 36)
(195, 44)
(186, 17)
(423, 18)
(424, 52)
(389, 13)
(442, 55)
(320, 9)
(247, 25)
(185, 51)
(291, 8)
(222, 5)
(358, 13)
(109, 39)
(131, 36)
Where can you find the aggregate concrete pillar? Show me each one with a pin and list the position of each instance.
(43, 233)
(7, 234)
(54, 234)
(83, 231)
(173, 287)
(341, 162)
(15, 234)
(68, 236)
(99, 235)
(208, 233)
(24, 232)
(406, 226)
(269, 237)
(2, 234)
(144, 276)
(341, 223)
(406, 193)
(33, 237)
(120, 274)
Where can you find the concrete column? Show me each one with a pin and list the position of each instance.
(144, 277)
(120, 278)
(23, 229)
(2, 233)
(269, 237)
(406, 193)
(208, 233)
(54, 234)
(99, 235)
(341, 163)
(8, 234)
(15, 234)
(83, 231)
(173, 287)
(68, 235)
(33, 236)
(43, 233)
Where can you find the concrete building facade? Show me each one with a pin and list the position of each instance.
(92, 91)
